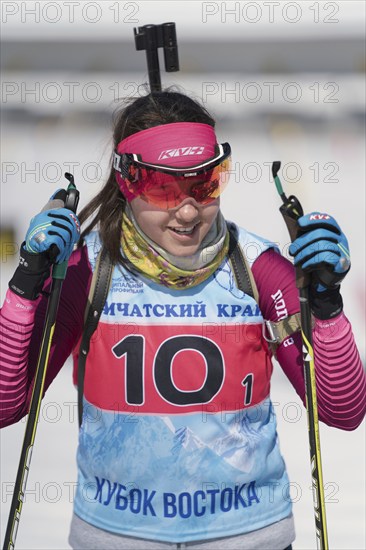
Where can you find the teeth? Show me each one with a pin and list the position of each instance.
(185, 230)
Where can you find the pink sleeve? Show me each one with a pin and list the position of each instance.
(21, 324)
(341, 380)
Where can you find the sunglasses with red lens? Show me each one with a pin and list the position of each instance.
(167, 186)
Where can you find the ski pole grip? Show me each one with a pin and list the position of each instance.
(71, 202)
(290, 215)
(291, 211)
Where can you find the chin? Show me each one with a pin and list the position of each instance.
(184, 252)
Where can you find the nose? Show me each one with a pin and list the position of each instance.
(187, 211)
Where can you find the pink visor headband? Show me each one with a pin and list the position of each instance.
(176, 144)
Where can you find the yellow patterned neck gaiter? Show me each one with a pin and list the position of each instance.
(145, 259)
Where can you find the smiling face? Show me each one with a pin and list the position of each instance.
(181, 230)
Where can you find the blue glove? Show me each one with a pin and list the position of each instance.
(321, 249)
(50, 238)
(54, 227)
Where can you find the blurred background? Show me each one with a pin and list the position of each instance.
(285, 81)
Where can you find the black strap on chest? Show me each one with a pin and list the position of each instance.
(97, 297)
(99, 291)
(242, 273)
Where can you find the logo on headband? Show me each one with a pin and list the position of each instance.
(181, 152)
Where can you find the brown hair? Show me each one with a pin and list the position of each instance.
(154, 109)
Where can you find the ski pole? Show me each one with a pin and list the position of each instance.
(58, 276)
(291, 210)
(152, 37)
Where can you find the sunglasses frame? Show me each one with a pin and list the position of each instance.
(122, 163)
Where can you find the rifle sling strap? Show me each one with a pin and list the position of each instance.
(97, 296)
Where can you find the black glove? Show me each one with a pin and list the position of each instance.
(31, 273)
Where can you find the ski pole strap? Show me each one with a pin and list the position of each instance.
(96, 300)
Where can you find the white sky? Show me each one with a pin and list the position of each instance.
(245, 20)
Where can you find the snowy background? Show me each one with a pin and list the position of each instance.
(286, 81)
